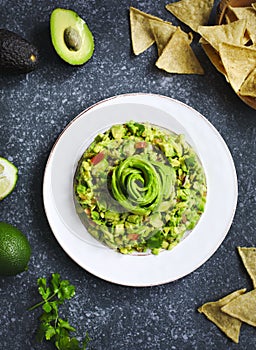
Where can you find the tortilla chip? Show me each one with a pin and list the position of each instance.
(192, 12)
(203, 41)
(248, 255)
(232, 33)
(243, 308)
(248, 88)
(254, 5)
(249, 14)
(214, 57)
(162, 32)
(178, 56)
(227, 324)
(238, 62)
(141, 33)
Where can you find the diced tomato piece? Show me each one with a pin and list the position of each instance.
(133, 236)
(156, 141)
(98, 158)
(87, 211)
(141, 144)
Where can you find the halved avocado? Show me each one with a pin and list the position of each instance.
(71, 37)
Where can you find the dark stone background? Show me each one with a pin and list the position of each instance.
(34, 109)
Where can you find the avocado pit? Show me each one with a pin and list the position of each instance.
(72, 39)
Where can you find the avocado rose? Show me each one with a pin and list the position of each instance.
(139, 185)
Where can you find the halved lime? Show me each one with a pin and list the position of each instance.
(8, 177)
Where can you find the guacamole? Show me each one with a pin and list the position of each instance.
(139, 188)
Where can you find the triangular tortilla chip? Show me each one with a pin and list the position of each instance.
(178, 56)
(248, 88)
(227, 324)
(232, 33)
(249, 14)
(162, 32)
(243, 308)
(248, 255)
(193, 13)
(141, 33)
(214, 57)
(238, 62)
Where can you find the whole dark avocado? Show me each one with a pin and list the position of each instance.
(16, 54)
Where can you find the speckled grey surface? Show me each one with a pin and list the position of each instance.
(34, 109)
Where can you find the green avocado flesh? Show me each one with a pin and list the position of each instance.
(139, 188)
(71, 37)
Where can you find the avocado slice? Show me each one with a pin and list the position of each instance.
(16, 53)
(71, 37)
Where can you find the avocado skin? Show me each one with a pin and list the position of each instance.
(16, 53)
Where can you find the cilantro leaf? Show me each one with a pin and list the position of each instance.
(47, 307)
(50, 332)
(55, 282)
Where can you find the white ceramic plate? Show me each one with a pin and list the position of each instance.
(147, 270)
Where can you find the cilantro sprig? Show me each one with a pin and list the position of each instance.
(52, 327)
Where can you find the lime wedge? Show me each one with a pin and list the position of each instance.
(8, 177)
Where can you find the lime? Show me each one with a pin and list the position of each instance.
(8, 177)
(15, 250)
